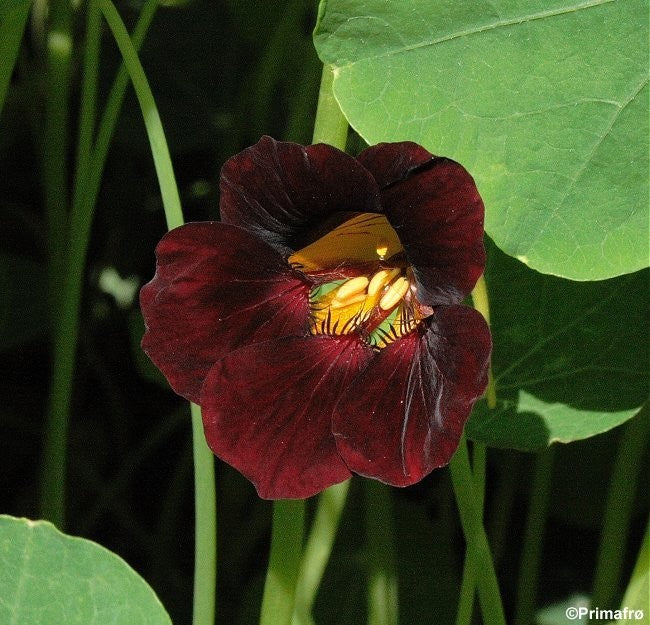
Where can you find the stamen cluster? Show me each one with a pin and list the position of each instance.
(381, 307)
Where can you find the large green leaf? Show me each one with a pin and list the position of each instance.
(570, 358)
(544, 101)
(48, 578)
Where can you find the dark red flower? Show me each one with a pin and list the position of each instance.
(319, 325)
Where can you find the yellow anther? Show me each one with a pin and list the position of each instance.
(351, 287)
(381, 279)
(352, 299)
(394, 294)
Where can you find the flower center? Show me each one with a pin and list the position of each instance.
(363, 283)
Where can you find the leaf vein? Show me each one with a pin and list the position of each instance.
(504, 23)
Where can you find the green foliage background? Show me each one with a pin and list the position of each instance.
(543, 102)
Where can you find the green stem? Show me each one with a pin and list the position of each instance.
(86, 193)
(205, 511)
(482, 304)
(330, 125)
(205, 526)
(468, 583)
(380, 537)
(55, 161)
(533, 539)
(618, 510)
(55, 182)
(282, 574)
(471, 521)
(159, 150)
(318, 549)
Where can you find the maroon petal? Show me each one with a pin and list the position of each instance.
(403, 415)
(437, 212)
(216, 288)
(267, 411)
(282, 191)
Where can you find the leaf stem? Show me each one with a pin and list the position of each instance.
(59, 49)
(205, 526)
(282, 574)
(318, 549)
(481, 302)
(533, 539)
(618, 509)
(471, 521)
(55, 182)
(330, 125)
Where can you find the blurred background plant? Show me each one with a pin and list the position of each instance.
(222, 73)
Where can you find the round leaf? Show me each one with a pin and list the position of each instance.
(48, 578)
(544, 101)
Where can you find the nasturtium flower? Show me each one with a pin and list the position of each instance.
(320, 323)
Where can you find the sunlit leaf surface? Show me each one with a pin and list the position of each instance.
(48, 578)
(544, 101)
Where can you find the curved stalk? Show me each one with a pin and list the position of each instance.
(205, 513)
